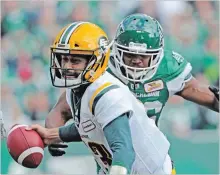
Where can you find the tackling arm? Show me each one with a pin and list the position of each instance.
(200, 94)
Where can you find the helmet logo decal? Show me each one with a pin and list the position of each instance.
(103, 43)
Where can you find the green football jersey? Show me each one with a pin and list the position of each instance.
(170, 78)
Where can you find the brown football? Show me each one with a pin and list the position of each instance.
(25, 147)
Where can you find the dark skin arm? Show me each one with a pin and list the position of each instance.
(196, 92)
(60, 113)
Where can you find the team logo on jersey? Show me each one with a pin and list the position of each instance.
(88, 126)
(178, 57)
(154, 86)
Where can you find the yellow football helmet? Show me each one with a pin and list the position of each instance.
(81, 39)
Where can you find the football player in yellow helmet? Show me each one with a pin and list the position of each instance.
(78, 55)
(107, 116)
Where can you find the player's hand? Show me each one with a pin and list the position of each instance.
(215, 91)
(57, 149)
(49, 136)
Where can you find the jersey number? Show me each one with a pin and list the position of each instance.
(100, 150)
(154, 105)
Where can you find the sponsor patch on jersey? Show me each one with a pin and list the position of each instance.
(154, 86)
(88, 126)
(151, 94)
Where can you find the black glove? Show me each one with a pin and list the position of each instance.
(57, 149)
(215, 91)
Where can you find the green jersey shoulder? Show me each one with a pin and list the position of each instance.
(172, 66)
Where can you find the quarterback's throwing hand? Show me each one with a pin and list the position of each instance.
(49, 136)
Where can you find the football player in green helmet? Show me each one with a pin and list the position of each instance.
(138, 48)
(152, 73)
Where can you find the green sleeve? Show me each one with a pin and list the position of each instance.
(176, 65)
(118, 136)
(69, 133)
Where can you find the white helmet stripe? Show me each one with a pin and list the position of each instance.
(68, 36)
(65, 31)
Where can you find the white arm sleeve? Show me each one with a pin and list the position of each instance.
(177, 84)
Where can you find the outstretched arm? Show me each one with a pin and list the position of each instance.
(56, 135)
(201, 94)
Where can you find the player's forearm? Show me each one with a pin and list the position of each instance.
(203, 96)
(196, 92)
(54, 120)
(119, 139)
(52, 136)
(69, 133)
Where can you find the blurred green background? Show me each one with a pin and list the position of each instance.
(28, 29)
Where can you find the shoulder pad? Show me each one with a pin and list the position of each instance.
(174, 64)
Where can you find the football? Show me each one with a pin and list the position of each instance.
(25, 147)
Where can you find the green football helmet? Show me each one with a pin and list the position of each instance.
(138, 34)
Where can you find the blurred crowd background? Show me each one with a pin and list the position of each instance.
(29, 27)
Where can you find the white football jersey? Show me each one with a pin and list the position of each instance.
(102, 102)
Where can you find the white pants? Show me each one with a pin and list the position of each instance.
(166, 168)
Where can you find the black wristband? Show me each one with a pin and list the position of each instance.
(69, 133)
